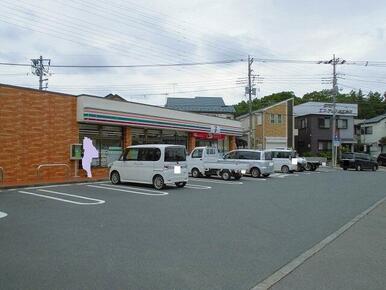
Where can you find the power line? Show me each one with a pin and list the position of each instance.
(136, 65)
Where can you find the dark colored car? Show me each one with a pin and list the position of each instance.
(358, 161)
(382, 159)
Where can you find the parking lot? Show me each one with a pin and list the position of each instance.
(212, 234)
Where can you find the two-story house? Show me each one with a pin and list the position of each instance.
(313, 121)
(272, 127)
(371, 133)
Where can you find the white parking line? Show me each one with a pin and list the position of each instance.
(121, 188)
(96, 201)
(95, 182)
(254, 179)
(2, 214)
(132, 187)
(217, 181)
(50, 186)
(278, 175)
(197, 186)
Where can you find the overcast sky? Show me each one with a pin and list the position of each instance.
(119, 32)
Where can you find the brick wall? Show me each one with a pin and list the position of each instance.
(191, 142)
(232, 143)
(126, 137)
(36, 127)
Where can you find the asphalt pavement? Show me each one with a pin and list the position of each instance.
(356, 260)
(210, 235)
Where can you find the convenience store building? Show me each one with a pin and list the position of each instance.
(37, 129)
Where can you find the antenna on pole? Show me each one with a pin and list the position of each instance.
(40, 67)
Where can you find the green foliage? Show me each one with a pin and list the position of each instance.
(257, 104)
(325, 154)
(308, 154)
(371, 105)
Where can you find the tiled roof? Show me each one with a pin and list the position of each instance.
(199, 104)
(375, 119)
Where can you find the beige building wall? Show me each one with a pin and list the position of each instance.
(267, 129)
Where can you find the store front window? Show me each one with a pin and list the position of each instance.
(219, 141)
(137, 136)
(106, 139)
(154, 136)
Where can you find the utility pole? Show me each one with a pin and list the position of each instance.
(250, 61)
(334, 92)
(41, 67)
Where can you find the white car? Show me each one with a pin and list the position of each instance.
(284, 160)
(152, 164)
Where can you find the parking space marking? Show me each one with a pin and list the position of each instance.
(95, 182)
(218, 181)
(95, 201)
(197, 186)
(137, 191)
(132, 187)
(254, 179)
(278, 175)
(50, 186)
(3, 214)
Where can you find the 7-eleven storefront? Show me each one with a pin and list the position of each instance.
(114, 124)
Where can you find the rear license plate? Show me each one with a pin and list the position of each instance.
(177, 169)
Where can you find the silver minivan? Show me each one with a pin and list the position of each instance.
(152, 164)
(284, 160)
(255, 159)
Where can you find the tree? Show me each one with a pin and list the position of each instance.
(257, 104)
(369, 106)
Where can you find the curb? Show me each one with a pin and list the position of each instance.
(270, 281)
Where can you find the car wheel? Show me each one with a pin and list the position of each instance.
(226, 175)
(195, 173)
(266, 175)
(285, 169)
(180, 184)
(313, 167)
(358, 167)
(307, 167)
(115, 178)
(255, 172)
(238, 176)
(207, 174)
(158, 182)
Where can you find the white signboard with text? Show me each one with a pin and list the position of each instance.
(315, 108)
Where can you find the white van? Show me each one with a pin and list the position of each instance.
(284, 160)
(153, 164)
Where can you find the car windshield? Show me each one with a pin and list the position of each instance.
(174, 154)
(347, 155)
